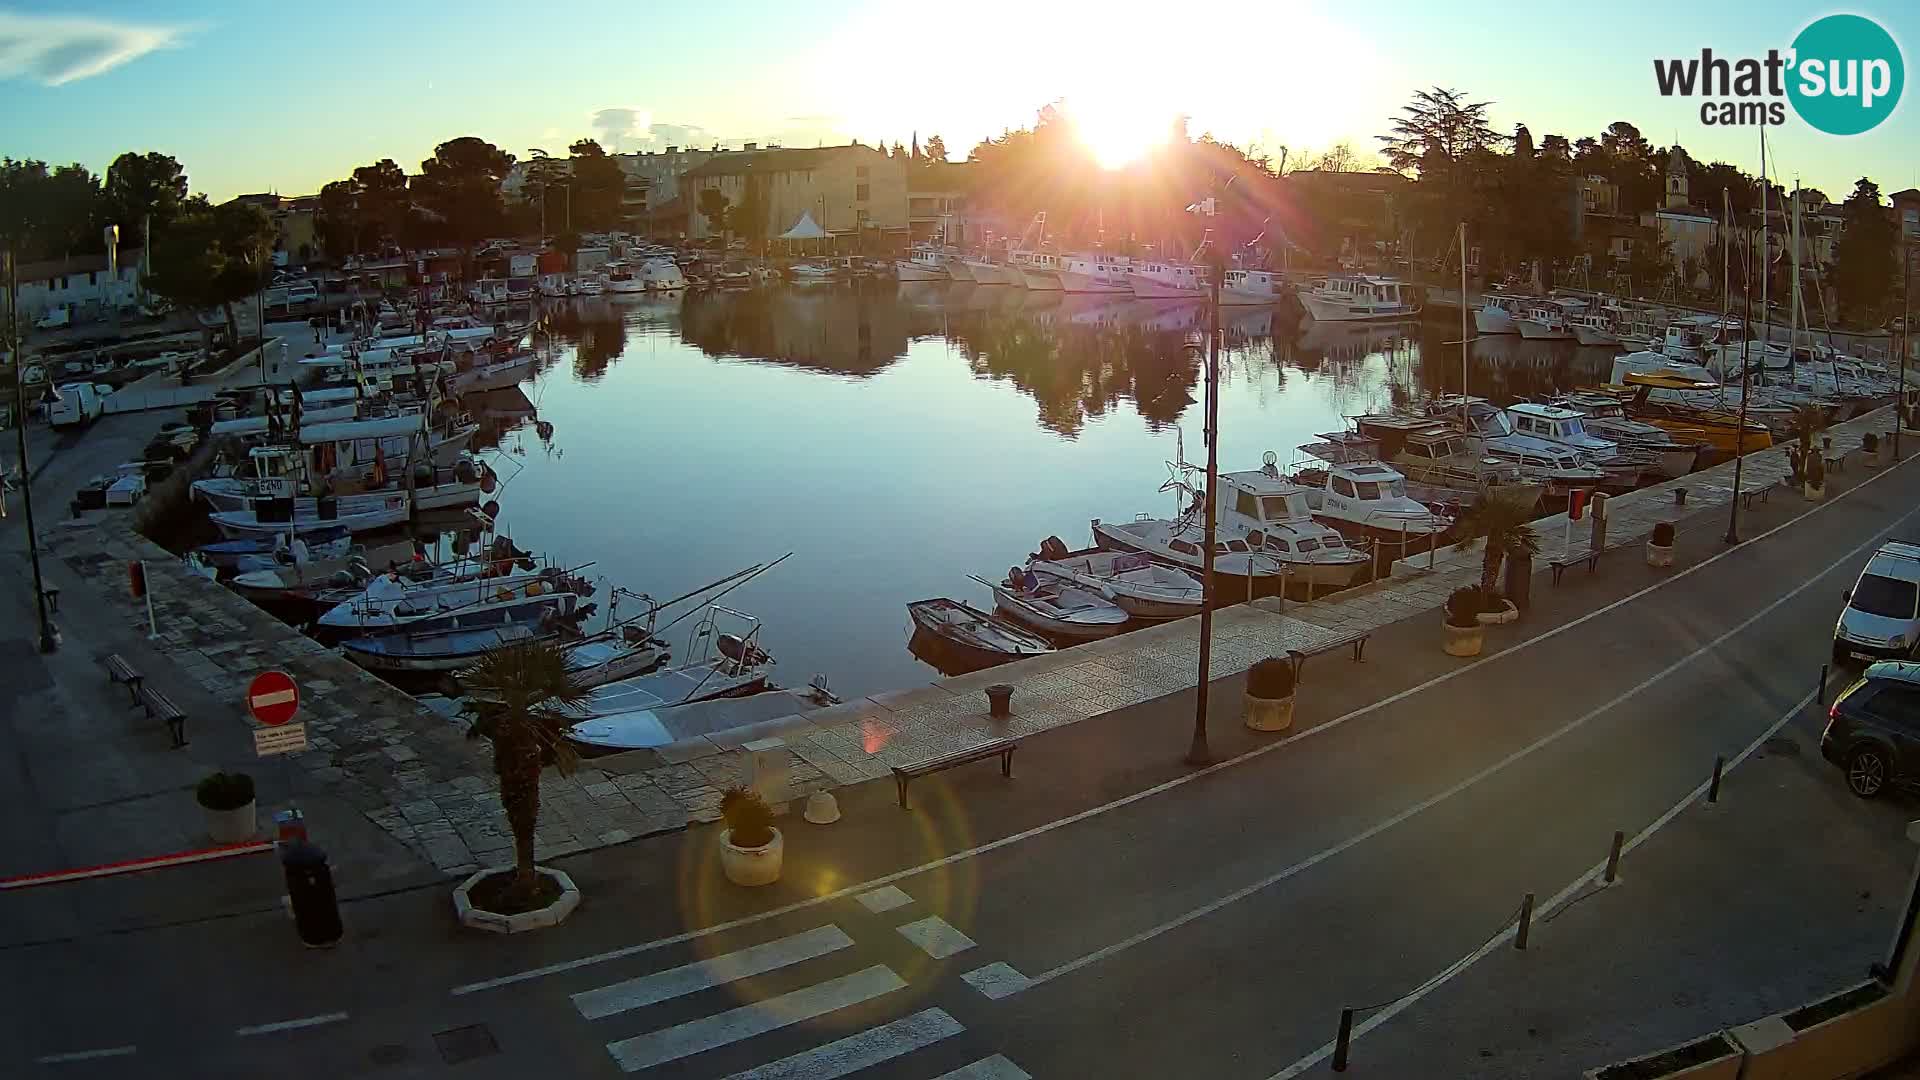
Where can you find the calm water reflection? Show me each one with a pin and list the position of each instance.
(896, 438)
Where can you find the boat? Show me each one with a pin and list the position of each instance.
(489, 291)
(1053, 606)
(1566, 427)
(620, 280)
(1546, 320)
(1369, 499)
(725, 659)
(923, 263)
(457, 639)
(1141, 587)
(982, 270)
(274, 517)
(553, 286)
(1439, 461)
(591, 284)
(1495, 314)
(1560, 469)
(978, 638)
(1094, 272)
(1719, 428)
(280, 472)
(1360, 298)
(1037, 270)
(957, 268)
(1598, 327)
(612, 655)
(410, 594)
(1274, 518)
(1237, 567)
(1167, 280)
(813, 273)
(265, 552)
(315, 584)
(659, 273)
(1605, 415)
(1244, 287)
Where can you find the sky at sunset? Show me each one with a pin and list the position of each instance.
(254, 97)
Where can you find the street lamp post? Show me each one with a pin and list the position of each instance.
(1198, 754)
(1906, 341)
(1740, 434)
(48, 642)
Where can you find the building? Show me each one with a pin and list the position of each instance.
(1688, 230)
(848, 190)
(296, 226)
(1906, 213)
(937, 200)
(81, 284)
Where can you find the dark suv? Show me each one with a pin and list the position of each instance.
(1873, 729)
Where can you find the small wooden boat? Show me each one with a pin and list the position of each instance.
(1138, 585)
(1060, 608)
(450, 642)
(981, 638)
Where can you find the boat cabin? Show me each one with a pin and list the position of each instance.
(1547, 422)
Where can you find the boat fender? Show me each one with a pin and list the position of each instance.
(487, 479)
(533, 588)
(491, 508)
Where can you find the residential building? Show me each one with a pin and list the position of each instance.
(296, 225)
(80, 283)
(847, 190)
(1906, 213)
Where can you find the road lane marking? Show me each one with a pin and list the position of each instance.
(996, 980)
(936, 936)
(1556, 901)
(859, 1050)
(291, 1025)
(747, 1021)
(706, 974)
(1432, 800)
(884, 899)
(84, 1055)
(1166, 785)
(997, 1067)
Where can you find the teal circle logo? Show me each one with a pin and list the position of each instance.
(1847, 74)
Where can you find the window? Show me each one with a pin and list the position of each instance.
(1343, 486)
(1368, 489)
(860, 192)
(1245, 503)
(1278, 544)
(1275, 508)
(1310, 545)
(1889, 598)
(1257, 538)
(860, 171)
(1897, 702)
(1181, 547)
(93, 277)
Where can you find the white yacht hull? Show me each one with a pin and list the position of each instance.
(1247, 298)
(1535, 330)
(1493, 320)
(913, 271)
(241, 524)
(984, 273)
(1593, 335)
(1041, 280)
(492, 377)
(959, 270)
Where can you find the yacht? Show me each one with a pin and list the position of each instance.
(1597, 326)
(923, 263)
(1560, 469)
(1237, 568)
(1369, 499)
(1495, 314)
(1252, 287)
(1360, 297)
(1166, 280)
(1095, 272)
(1440, 463)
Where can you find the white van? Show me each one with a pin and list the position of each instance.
(1882, 618)
(79, 403)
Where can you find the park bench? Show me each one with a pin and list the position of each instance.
(1357, 639)
(1000, 748)
(122, 672)
(162, 708)
(1560, 565)
(1754, 491)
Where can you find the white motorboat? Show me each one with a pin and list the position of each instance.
(238, 524)
(593, 284)
(1562, 470)
(1141, 587)
(1055, 606)
(1252, 287)
(1606, 416)
(923, 263)
(1236, 566)
(659, 273)
(1495, 314)
(957, 268)
(1439, 462)
(621, 282)
(813, 273)
(392, 600)
(1161, 279)
(1566, 427)
(1370, 499)
(1360, 298)
(1275, 518)
(1038, 270)
(1095, 272)
(454, 640)
(724, 660)
(553, 286)
(1597, 327)
(615, 655)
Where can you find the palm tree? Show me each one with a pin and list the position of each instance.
(1808, 421)
(1503, 518)
(522, 698)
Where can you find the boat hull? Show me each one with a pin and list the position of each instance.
(1590, 335)
(970, 653)
(988, 273)
(1041, 280)
(1151, 288)
(1488, 320)
(913, 271)
(492, 377)
(1074, 282)
(1065, 629)
(1325, 310)
(1225, 580)
(240, 525)
(1535, 330)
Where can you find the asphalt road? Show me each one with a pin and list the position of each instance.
(1214, 927)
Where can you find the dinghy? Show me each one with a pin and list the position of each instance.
(1055, 607)
(979, 638)
(1141, 587)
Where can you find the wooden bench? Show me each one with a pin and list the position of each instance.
(1591, 558)
(122, 672)
(1000, 748)
(1357, 639)
(1835, 459)
(1756, 491)
(160, 707)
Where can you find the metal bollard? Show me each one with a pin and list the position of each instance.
(1713, 789)
(1341, 1042)
(1000, 701)
(1526, 922)
(1613, 858)
(1679, 496)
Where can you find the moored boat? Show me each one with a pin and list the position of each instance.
(1055, 607)
(1141, 587)
(979, 638)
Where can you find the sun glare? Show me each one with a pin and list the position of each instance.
(1117, 133)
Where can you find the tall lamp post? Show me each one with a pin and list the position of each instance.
(1198, 754)
(48, 642)
(1907, 254)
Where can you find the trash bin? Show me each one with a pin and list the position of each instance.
(316, 913)
(1519, 580)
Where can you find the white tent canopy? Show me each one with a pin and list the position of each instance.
(805, 229)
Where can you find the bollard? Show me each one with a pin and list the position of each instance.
(1679, 496)
(1526, 922)
(1823, 684)
(316, 912)
(1000, 701)
(1342, 1040)
(1713, 789)
(1613, 858)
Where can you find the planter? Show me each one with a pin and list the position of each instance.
(1659, 557)
(751, 866)
(1463, 640)
(1505, 615)
(1813, 492)
(1849, 1033)
(231, 826)
(1267, 714)
(1713, 1058)
(553, 914)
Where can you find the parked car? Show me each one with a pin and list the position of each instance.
(1881, 619)
(1873, 729)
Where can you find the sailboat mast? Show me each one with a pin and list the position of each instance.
(1463, 328)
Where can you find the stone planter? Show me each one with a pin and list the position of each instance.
(552, 915)
(1267, 714)
(1505, 615)
(1713, 1058)
(1813, 492)
(1659, 557)
(1463, 640)
(751, 866)
(231, 826)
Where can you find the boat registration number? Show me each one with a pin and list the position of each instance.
(1868, 657)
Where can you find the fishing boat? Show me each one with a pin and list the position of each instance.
(457, 639)
(982, 270)
(1599, 327)
(274, 517)
(1606, 415)
(616, 654)
(1546, 320)
(411, 594)
(1360, 298)
(275, 472)
(725, 659)
(1237, 568)
(1162, 279)
(1495, 314)
(1566, 427)
(1054, 606)
(1719, 428)
(1369, 499)
(1273, 516)
(265, 552)
(1141, 587)
(1560, 469)
(978, 638)
(1439, 462)
(1095, 272)
(1245, 287)
(923, 263)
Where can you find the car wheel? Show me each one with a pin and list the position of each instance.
(1867, 772)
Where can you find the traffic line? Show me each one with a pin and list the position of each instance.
(291, 1025)
(858, 1051)
(997, 1067)
(884, 899)
(996, 980)
(1435, 799)
(1166, 785)
(1556, 901)
(85, 1055)
(129, 866)
(936, 937)
(747, 1021)
(707, 974)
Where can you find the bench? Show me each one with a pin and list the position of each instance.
(160, 707)
(122, 672)
(1835, 460)
(1000, 748)
(52, 593)
(1591, 558)
(1357, 639)
(1757, 491)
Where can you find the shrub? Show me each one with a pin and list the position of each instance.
(748, 816)
(1464, 606)
(1663, 534)
(1271, 679)
(225, 791)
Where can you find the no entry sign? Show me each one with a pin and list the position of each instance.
(273, 698)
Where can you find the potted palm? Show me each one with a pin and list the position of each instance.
(1660, 545)
(522, 699)
(1268, 702)
(227, 801)
(750, 847)
(1807, 422)
(1502, 519)
(1813, 483)
(1464, 634)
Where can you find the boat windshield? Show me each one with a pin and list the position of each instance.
(1366, 489)
(1393, 489)
(1889, 598)
(1283, 507)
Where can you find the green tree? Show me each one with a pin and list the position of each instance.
(935, 150)
(339, 220)
(599, 184)
(1503, 520)
(749, 219)
(1448, 142)
(212, 258)
(522, 699)
(142, 188)
(460, 186)
(713, 206)
(383, 197)
(1865, 267)
(1649, 265)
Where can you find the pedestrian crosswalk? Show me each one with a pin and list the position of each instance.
(817, 980)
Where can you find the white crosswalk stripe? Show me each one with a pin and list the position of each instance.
(855, 1052)
(758, 1018)
(706, 974)
(997, 1067)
